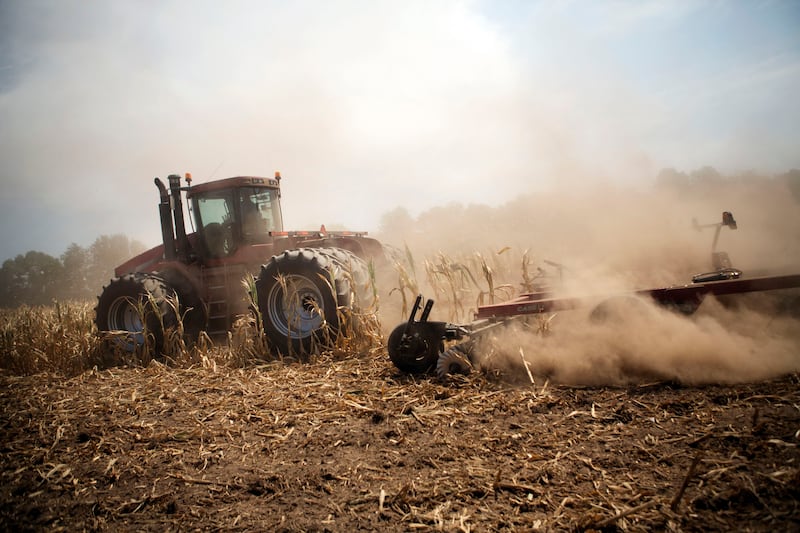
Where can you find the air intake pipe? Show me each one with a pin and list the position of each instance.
(167, 232)
(177, 212)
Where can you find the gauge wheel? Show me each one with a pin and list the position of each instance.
(415, 347)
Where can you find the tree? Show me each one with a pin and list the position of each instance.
(106, 253)
(792, 179)
(76, 262)
(396, 224)
(33, 278)
(671, 178)
(36, 278)
(706, 176)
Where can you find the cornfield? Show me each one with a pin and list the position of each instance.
(61, 338)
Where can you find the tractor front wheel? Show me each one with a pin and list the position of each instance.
(305, 294)
(134, 311)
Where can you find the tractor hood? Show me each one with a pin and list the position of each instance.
(141, 262)
(147, 261)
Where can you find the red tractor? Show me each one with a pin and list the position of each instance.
(303, 279)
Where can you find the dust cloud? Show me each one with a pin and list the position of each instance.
(645, 343)
(608, 239)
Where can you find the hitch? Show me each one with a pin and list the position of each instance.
(417, 346)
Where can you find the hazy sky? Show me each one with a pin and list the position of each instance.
(368, 105)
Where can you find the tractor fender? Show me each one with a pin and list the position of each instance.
(363, 247)
(183, 278)
(346, 243)
(186, 283)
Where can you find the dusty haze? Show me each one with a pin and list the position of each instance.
(364, 106)
(613, 239)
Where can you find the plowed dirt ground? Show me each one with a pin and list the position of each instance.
(353, 445)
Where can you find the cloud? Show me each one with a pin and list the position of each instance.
(348, 98)
(362, 106)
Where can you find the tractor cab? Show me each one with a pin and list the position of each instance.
(234, 212)
(227, 215)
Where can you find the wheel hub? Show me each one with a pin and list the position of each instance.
(295, 307)
(123, 315)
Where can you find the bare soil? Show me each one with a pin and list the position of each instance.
(346, 445)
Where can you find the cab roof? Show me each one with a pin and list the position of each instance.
(238, 181)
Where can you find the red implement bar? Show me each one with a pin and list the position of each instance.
(679, 295)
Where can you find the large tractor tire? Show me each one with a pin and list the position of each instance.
(305, 294)
(357, 273)
(135, 308)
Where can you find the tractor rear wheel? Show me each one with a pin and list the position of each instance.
(135, 308)
(304, 296)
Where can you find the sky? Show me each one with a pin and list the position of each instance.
(365, 106)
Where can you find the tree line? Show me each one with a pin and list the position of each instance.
(36, 278)
(709, 177)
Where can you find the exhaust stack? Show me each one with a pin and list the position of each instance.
(167, 233)
(181, 240)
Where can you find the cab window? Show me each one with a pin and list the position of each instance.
(216, 217)
(260, 212)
